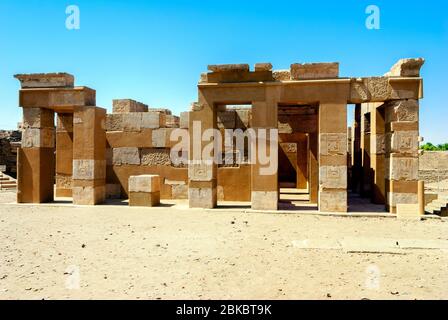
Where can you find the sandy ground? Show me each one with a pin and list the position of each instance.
(116, 252)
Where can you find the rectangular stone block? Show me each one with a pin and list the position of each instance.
(202, 197)
(155, 157)
(144, 183)
(264, 200)
(128, 105)
(309, 71)
(266, 66)
(89, 195)
(378, 144)
(333, 201)
(114, 122)
(159, 138)
(281, 75)
(407, 68)
(46, 80)
(144, 199)
(402, 111)
(153, 120)
(200, 170)
(403, 168)
(333, 144)
(38, 138)
(37, 118)
(122, 139)
(333, 177)
(228, 67)
(408, 211)
(395, 198)
(60, 100)
(89, 169)
(122, 156)
(184, 120)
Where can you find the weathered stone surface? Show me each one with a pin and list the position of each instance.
(226, 119)
(228, 67)
(405, 142)
(403, 168)
(333, 144)
(144, 183)
(144, 199)
(159, 138)
(263, 66)
(152, 120)
(407, 68)
(114, 122)
(333, 201)
(38, 118)
(394, 198)
(89, 169)
(88, 195)
(155, 157)
(310, 71)
(200, 170)
(161, 110)
(374, 89)
(38, 138)
(264, 200)
(46, 80)
(402, 110)
(179, 191)
(132, 121)
(128, 105)
(123, 156)
(64, 181)
(202, 198)
(64, 122)
(333, 177)
(281, 75)
(184, 120)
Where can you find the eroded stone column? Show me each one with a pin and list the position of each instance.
(402, 142)
(333, 157)
(36, 157)
(264, 183)
(64, 154)
(377, 153)
(202, 170)
(89, 156)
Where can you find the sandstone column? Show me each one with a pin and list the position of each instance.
(314, 167)
(402, 132)
(64, 154)
(89, 156)
(265, 191)
(333, 157)
(357, 152)
(302, 162)
(36, 157)
(377, 153)
(202, 170)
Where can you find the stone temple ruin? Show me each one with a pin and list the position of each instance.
(90, 155)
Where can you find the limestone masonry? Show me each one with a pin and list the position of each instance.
(91, 155)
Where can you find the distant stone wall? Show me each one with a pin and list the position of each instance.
(9, 142)
(433, 166)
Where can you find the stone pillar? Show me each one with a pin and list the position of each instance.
(64, 154)
(265, 192)
(357, 152)
(36, 157)
(314, 167)
(377, 154)
(89, 156)
(333, 157)
(366, 174)
(402, 142)
(202, 171)
(302, 162)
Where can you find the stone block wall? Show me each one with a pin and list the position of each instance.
(9, 142)
(433, 169)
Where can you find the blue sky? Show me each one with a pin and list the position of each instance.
(154, 51)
